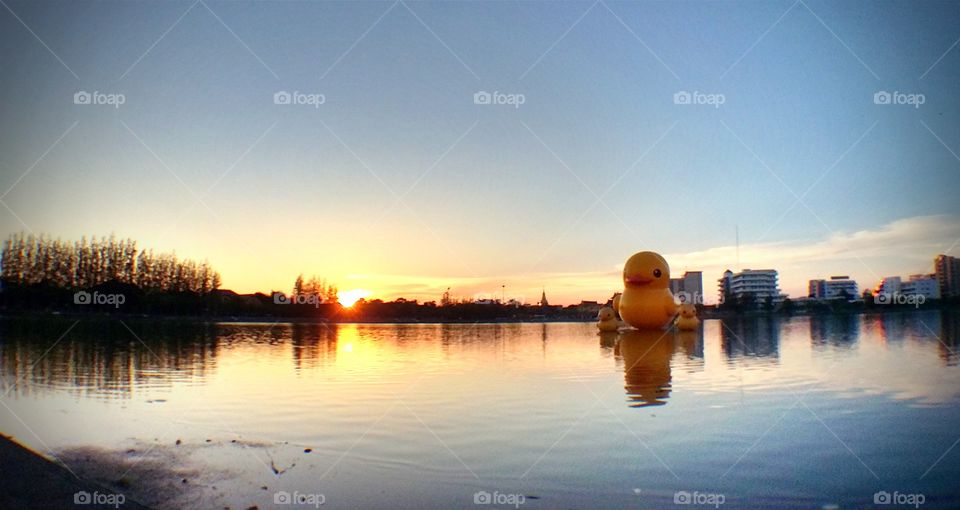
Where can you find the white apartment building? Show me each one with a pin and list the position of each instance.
(921, 285)
(835, 288)
(917, 285)
(761, 283)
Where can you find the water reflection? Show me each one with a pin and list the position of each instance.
(949, 340)
(608, 339)
(104, 357)
(691, 345)
(313, 344)
(836, 330)
(646, 365)
(754, 337)
(111, 358)
(941, 326)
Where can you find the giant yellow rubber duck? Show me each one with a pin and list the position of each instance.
(646, 302)
(607, 320)
(687, 320)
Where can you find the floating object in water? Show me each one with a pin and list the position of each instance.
(607, 320)
(687, 320)
(646, 302)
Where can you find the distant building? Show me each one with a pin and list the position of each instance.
(947, 271)
(543, 298)
(837, 287)
(816, 289)
(917, 285)
(689, 288)
(925, 285)
(889, 285)
(586, 308)
(760, 283)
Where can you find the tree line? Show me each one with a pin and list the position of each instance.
(30, 260)
(316, 288)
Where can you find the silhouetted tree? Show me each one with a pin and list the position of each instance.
(40, 260)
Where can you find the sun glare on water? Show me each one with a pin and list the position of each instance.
(349, 297)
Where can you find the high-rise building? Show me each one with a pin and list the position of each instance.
(759, 283)
(891, 288)
(816, 289)
(925, 285)
(947, 271)
(689, 288)
(837, 287)
(889, 285)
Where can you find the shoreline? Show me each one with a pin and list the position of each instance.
(708, 313)
(30, 480)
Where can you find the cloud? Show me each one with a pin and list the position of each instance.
(903, 247)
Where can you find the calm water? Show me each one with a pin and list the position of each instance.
(801, 412)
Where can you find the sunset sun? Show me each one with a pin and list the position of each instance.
(349, 297)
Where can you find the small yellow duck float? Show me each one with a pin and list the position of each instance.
(646, 302)
(607, 320)
(687, 320)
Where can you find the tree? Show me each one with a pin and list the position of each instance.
(787, 306)
(768, 304)
(32, 260)
(298, 285)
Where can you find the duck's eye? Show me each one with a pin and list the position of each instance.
(656, 273)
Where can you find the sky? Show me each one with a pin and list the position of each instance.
(385, 174)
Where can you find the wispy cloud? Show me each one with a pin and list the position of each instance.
(902, 247)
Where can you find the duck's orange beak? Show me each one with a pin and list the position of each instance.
(637, 280)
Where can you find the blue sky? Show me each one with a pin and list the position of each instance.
(199, 159)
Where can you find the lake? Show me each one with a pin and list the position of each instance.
(761, 412)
